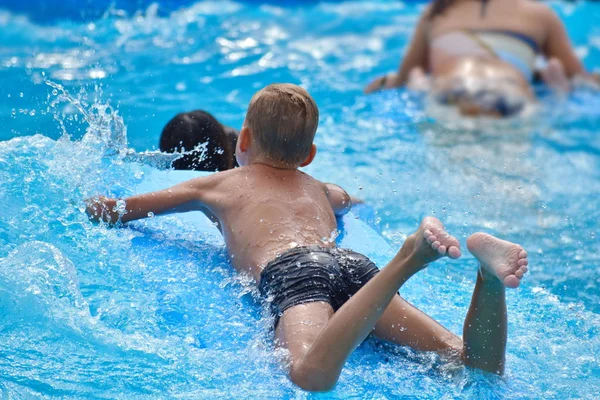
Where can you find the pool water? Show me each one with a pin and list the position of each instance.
(155, 310)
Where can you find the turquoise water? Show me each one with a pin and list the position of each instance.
(155, 310)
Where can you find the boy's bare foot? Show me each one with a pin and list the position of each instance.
(499, 259)
(430, 242)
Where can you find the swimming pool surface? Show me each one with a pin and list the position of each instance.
(156, 311)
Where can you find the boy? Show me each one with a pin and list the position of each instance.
(276, 220)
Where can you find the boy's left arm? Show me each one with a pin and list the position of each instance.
(339, 199)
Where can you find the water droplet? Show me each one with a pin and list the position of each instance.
(32, 113)
(150, 214)
(54, 92)
(21, 94)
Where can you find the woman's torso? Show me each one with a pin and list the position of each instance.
(509, 31)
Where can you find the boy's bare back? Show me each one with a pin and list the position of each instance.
(265, 211)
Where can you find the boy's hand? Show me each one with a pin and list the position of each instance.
(356, 200)
(102, 208)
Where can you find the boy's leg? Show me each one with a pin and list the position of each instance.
(404, 324)
(502, 264)
(319, 346)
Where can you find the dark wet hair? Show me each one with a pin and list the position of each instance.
(438, 7)
(188, 130)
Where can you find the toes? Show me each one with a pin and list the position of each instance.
(523, 254)
(524, 269)
(454, 252)
(431, 239)
(442, 249)
(453, 242)
(522, 262)
(427, 233)
(519, 273)
(435, 245)
(511, 281)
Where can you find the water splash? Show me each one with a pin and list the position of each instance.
(158, 317)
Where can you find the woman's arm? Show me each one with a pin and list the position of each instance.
(415, 57)
(558, 45)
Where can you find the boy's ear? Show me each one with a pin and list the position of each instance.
(244, 139)
(311, 156)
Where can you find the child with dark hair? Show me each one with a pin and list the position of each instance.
(276, 221)
(206, 145)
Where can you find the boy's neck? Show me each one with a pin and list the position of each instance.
(272, 164)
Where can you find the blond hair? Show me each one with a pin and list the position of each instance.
(283, 119)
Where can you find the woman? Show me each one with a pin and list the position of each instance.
(481, 54)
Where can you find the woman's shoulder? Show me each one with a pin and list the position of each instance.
(537, 9)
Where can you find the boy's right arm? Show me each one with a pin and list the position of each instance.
(339, 199)
(193, 195)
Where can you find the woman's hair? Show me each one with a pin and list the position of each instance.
(439, 6)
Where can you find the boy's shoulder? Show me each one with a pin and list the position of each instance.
(260, 172)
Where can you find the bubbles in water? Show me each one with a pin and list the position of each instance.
(120, 207)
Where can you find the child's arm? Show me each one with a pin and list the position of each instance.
(338, 198)
(188, 196)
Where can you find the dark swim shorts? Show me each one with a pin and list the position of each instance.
(308, 274)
